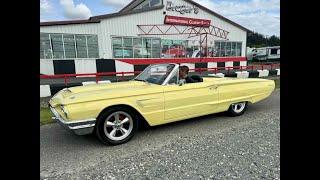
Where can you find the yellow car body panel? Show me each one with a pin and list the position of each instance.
(160, 104)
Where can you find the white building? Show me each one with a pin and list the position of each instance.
(115, 42)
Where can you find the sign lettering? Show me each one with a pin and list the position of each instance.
(181, 9)
(175, 20)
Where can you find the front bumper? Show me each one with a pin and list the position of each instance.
(80, 127)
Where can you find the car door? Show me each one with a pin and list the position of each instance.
(190, 100)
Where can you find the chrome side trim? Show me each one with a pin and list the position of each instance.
(82, 126)
(75, 122)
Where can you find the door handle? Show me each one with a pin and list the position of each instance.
(213, 87)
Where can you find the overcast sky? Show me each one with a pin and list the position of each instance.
(261, 16)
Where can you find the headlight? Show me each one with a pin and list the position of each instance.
(67, 90)
(64, 111)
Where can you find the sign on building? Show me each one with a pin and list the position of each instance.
(176, 20)
(182, 9)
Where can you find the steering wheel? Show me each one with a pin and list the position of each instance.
(153, 80)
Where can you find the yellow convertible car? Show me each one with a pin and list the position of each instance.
(156, 96)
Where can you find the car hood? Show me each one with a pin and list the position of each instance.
(96, 92)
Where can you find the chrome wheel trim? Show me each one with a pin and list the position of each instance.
(238, 107)
(113, 125)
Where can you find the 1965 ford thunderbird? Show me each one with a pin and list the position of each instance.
(156, 96)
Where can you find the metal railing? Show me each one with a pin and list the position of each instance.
(98, 76)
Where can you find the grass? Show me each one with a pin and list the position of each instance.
(45, 116)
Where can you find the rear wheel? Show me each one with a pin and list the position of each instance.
(116, 126)
(237, 109)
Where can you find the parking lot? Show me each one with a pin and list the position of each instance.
(210, 147)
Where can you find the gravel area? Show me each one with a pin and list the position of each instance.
(209, 147)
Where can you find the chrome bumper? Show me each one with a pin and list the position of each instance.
(80, 127)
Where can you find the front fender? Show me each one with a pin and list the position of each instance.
(150, 107)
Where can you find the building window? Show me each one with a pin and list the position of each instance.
(130, 47)
(175, 48)
(117, 41)
(156, 48)
(65, 46)
(222, 49)
(186, 49)
(273, 51)
(217, 48)
(238, 49)
(93, 49)
(45, 46)
(127, 48)
(146, 48)
(233, 48)
(117, 47)
(57, 46)
(137, 47)
(81, 44)
(227, 48)
(69, 46)
(147, 4)
(154, 2)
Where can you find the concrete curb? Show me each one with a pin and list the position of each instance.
(249, 73)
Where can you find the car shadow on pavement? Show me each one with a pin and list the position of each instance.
(185, 122)
(54, 134)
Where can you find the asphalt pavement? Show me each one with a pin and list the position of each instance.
(209, 147)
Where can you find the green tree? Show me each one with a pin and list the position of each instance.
(255, 39)
(274, 41)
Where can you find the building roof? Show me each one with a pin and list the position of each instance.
(52, 23)
(128, 9)
(97, 19)
(134, 3)
(125, 13)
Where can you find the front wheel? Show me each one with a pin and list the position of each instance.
(237, 109)
(116, 126)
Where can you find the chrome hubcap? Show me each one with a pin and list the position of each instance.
(238, 107)
(118, 126)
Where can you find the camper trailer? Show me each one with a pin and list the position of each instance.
(263, 54)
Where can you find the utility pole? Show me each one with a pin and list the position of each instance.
(267, 48)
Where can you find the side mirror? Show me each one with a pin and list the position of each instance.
(181, 82)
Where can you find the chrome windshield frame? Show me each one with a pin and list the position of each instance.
(172, 73)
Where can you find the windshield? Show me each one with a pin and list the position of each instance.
(155, 74)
